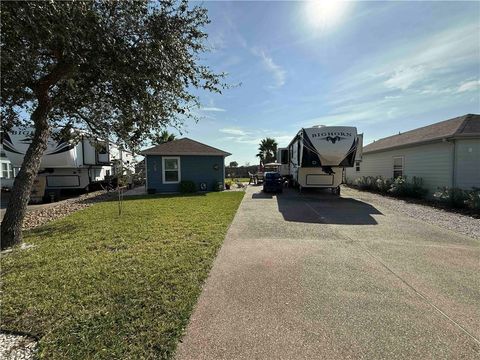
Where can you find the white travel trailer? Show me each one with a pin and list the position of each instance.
(319, 155)
(73, 163)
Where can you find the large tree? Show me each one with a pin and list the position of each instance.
(267, 151)
(119, 69)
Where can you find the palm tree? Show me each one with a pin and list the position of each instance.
(267, 150)
(164, 137)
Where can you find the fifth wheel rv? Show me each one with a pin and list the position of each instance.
(319, 155)
(69, 164)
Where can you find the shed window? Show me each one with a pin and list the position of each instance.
(357, 165)
(171, 170)
(398, 166)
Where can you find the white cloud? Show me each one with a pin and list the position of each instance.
(232, 131)
(279, 74)
(469, 86)
(212, 108)
(433, 61)
(254, 136)
(404, 77)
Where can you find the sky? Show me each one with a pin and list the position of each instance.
(384, 67)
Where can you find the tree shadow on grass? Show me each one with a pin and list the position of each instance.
(52, 229)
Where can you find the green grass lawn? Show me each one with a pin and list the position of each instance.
(100, 286)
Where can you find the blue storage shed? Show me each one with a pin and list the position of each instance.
(184, 159)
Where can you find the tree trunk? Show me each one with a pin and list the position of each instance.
(17, 206)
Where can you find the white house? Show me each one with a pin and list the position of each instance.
(443, 154)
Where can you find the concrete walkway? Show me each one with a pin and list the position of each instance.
(313, 276)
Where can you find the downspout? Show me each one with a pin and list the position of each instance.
(146, 174)
(223, 178)
(454, 163)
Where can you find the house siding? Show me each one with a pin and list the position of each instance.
(467, 163)
(432, 162)
(192, 168)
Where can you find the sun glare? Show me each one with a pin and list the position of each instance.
(324, 14)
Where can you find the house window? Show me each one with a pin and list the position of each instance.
(171, 170)
(357, 165)
(398, 166)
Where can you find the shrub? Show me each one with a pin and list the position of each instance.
(228, 183)
(459, 198)
(383, 185)
(365, 183)
(401, 187)
(187, 186)
(473, 199)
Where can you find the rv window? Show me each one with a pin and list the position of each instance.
(171, 170)
(397, 166)
(7, 172)
(357, 165)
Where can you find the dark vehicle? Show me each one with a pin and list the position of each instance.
(273, 182)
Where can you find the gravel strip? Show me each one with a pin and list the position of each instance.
(17, 347)
(459, 223)
(35, 218)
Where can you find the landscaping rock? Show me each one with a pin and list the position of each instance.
(17, 347)
(63, 208)
(459, 223)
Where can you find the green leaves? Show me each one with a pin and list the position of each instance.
(132, 65)
(267, 150)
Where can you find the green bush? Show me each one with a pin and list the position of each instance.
(459, 198)
(401, 187)
(187, 186)
(229, 183)
(365, 183)
(473, 199)
(383, 185)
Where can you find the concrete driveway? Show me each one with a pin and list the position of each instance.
(313, 276)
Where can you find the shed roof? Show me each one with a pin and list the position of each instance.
(462, 126)
(184, 146)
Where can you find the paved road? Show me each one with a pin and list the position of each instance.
(313, 276)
